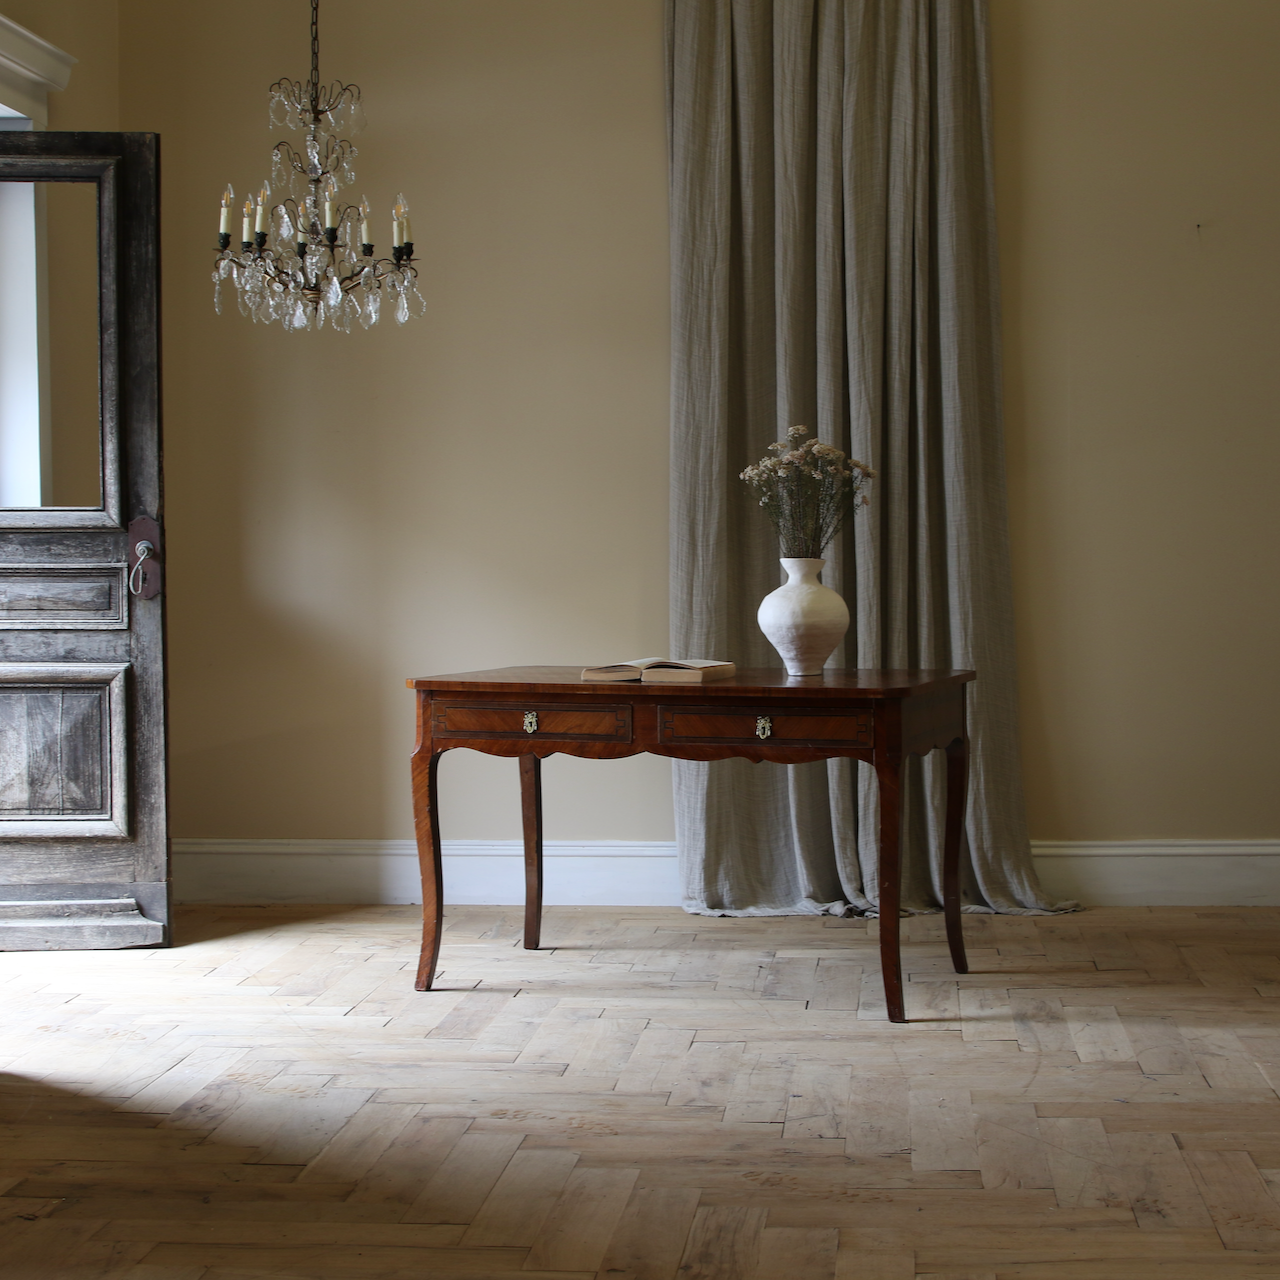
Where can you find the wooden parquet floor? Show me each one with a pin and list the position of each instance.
(656, 1097)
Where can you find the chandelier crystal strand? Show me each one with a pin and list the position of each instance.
(310, 258)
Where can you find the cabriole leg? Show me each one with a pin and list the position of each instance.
(957, 787)
(426, 821)
(531, 814)
(890, 775)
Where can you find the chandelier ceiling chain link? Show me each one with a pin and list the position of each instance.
(310, 258)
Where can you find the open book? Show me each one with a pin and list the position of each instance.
(663, 670)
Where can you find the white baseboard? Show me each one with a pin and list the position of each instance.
(619, 873)
(623, 873)
(1161, 873)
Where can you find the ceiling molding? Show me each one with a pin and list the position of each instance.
(29, 68)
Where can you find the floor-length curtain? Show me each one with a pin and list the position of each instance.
(834, 266)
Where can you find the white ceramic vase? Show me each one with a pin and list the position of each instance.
(802, 619)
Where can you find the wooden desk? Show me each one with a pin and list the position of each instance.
(881, 717)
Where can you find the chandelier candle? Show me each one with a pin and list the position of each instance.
(301, 263)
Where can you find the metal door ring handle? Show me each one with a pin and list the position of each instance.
(144, 551)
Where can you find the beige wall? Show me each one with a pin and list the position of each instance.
(1137, 196)
(488, 486)
(480, 488)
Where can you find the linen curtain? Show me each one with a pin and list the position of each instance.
(834, 266)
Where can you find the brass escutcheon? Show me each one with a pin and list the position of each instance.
(764, 726)
(531, 722)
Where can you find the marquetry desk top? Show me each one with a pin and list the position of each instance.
(762, 681)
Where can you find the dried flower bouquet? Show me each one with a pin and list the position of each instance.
(807, 490)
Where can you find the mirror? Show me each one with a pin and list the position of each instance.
(50, 416)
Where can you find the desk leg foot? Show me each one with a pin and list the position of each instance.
(957, 788)
(426, 819)
(531, 813)
(891, 779)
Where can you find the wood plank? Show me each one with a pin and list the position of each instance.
(986, 1013)
(1243, 1209)
(797, 1253)
(650, 1237)
(464, 1178)
(878, 1117)
(402, 1170)
(354, 1150)
(1081, 1162)
(1153, 1177)
(818, 1101)
(853, 1263)
(515, 1210)
(704, 1077)
(723, 1244)
(942, 1129)
(1040, 1024)
(1011, 1153)
(583, 1220)
(1097, 1033)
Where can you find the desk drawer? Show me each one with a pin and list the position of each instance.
(560, 722)
(783, 726)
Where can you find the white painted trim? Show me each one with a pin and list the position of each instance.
(1154, 848)
(618, 873)
(646, 873)
(29, 68)
(452, 848)
(1161, 873)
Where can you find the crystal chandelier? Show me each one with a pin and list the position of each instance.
(310, 258)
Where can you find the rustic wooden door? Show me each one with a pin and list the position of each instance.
(83, 829)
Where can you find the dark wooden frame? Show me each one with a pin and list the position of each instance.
(125, 167)
(910, 713)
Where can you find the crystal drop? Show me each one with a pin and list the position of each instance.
(402, 309)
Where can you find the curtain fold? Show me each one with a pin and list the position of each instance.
(833, 265)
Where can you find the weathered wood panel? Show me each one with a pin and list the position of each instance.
(67, 597)
(63, 750)
(55, 752)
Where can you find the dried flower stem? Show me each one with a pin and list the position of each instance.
(807, 490)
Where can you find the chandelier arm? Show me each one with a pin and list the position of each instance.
(288, 155)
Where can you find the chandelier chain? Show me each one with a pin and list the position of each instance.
(315, 59)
